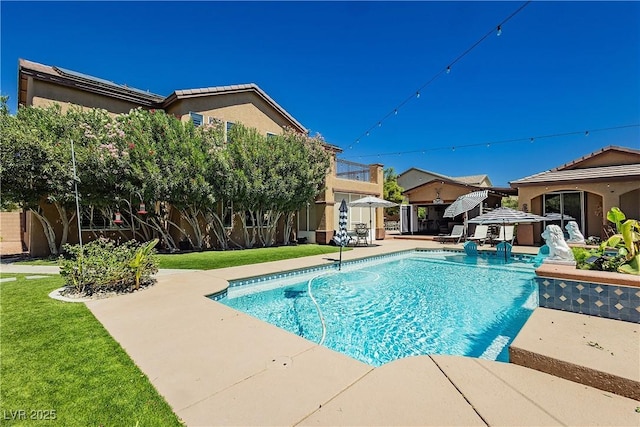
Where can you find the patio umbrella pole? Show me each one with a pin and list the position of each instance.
(504, 234)
(370, 231)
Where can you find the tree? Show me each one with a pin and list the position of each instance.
(35, 166)
(510, 202)
(392, 191)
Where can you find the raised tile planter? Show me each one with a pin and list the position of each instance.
(596, 293)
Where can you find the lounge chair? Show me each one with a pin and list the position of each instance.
(456, 235)
(480, 234)
(505, 235)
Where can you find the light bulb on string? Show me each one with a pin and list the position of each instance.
(586, 133)
(379, 124)
(418, 94)
(367, 133)
(499, 33)
(448, 69)
(453, 148)
(531, 140)
(395, 112)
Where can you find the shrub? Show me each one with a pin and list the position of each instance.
(105, 266)
(581, 255)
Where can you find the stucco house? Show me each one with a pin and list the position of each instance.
(432, 193)
(584, 189)
(41, 85)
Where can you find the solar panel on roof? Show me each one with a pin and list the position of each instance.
(72, 73)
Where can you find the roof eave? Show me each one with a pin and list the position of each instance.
(87, 86)
(516, 184)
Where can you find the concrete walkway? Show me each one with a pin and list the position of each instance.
(217, 366)
(54, 269)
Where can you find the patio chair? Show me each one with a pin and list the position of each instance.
(503, 250)
(361, 234)
(456, 235)
(470, 248)
(480, 235)
(506, 234)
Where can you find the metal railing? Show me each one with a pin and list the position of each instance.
(351, 170)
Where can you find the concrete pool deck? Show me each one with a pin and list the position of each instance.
(217, 366)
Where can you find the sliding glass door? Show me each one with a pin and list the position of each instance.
(563, 207)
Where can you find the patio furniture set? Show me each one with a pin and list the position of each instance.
(481, 235)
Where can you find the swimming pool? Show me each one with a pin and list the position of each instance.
(419, 302)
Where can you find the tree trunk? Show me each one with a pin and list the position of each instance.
(48, 231)
(288, 227)
(249, 237)
(64, 218)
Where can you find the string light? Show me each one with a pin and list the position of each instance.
(506, 141)
(499, 32)
(448, 69)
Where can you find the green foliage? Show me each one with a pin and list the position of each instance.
(104, 266)
(392, 191)
(616, 216)
(626, 241)
(510, 202)
(581, 255)
(57, 355)
(152, 157)
(209, 260)
(142, 262)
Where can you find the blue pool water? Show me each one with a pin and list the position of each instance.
(414, 304)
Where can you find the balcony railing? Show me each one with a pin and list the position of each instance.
(351, 170)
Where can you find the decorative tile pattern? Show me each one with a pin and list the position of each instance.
(595, 299)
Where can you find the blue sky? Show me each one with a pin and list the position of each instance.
(339, 67)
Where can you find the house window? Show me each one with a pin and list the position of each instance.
(197, 119)
(271, 135)
(229, 126)
(227, 219)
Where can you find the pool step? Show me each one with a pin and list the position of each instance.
(594, 351)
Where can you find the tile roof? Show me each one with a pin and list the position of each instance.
(469, 179)
(472, 179)
(602, 173)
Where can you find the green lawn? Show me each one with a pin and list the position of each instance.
(219, 259)
(210, 260)
(56, 356)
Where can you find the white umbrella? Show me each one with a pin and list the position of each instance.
(506, 216)
(372, 202)
(465, 203)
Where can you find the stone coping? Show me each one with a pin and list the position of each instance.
(556, 271)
